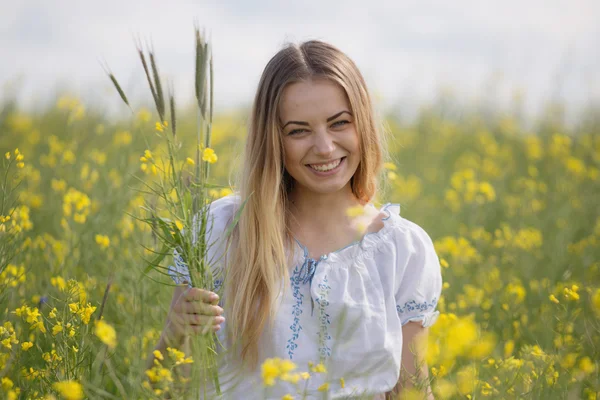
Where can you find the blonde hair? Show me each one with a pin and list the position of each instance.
(257, 265)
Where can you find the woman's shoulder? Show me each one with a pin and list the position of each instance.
(221, 212)
(224, 204)
(404, 231)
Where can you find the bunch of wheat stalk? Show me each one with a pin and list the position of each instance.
(185, 229)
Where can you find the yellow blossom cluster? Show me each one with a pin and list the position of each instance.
(103, 241)
(161, 126)
(12, 275)
(69, 390)
(8, 336)
(178, 356)
(18, 158)
(106, 333)
(468, 190)
(32, 316)
(16, 221)
(209, 156)
(122, 138)
(84, 312)
(217, 194)
(148, 160)
(78, 204)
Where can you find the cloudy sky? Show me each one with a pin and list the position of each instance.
(408, 50)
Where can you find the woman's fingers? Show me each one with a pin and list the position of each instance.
(195, 294)
(185, 307)
(203, 320)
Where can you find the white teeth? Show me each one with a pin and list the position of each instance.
(326, 167)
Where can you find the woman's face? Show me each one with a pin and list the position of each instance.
(319, 136)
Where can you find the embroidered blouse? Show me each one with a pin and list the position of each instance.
(345, 309)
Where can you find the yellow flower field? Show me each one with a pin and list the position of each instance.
(514, 212)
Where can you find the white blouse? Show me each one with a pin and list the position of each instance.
(345, 309)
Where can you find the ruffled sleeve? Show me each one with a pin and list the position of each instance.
(220, 215)
(420, 277)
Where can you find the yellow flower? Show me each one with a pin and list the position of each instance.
(106, 334)
(354, 212)
(57, 329)
(158, 355)
(390, 166)
(596, 300)
(58, 282)
(287, 397)
(553, 299)
(324, 387)
(342, 383)
(270, 371)
(103, 241)
(70, 390)
(7, 384)
(209, 156)
(7, 155)
(319, 368)
(586, 365)
(26, 346)
(189, 161)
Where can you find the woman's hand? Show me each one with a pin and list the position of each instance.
(193, 311)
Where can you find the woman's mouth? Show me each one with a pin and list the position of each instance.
(327, 168)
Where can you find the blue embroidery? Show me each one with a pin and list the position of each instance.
(414, 306)
(324, 336)
(295, 280)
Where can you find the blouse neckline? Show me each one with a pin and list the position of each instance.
(363, 243)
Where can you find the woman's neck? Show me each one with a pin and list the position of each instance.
(317, 211)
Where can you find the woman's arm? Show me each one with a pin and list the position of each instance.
(414, 372)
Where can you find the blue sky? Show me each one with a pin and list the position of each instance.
(408, 50)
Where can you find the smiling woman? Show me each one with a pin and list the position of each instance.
(303, 282)
(322, 156)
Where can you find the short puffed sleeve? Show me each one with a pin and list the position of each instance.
(420, 277)
(220, 216)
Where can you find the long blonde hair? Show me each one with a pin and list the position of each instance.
(257, 265)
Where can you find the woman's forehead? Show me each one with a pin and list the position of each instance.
(312, 99)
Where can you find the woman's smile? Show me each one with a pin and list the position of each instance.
(328, 168)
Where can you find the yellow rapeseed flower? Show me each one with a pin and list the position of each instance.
(553, 299)
(26, 346)
(354, 212)
(209, 156)
(189, 161)
(106, 333)
(69, 390)
(586, 365)
(596, 300)
(324, 387)
(158, 355)
(319, 368)
(103, 241)
(56, 329)
(270, 371)
(7, 384)
(287, 397)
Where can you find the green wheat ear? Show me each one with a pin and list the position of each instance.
(173, 119)
(120, 90)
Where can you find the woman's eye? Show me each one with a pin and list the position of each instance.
(295, 131)
(340, 123)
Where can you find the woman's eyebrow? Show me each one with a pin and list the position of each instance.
(328, 119)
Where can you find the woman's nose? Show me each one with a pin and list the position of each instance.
(323, 144)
